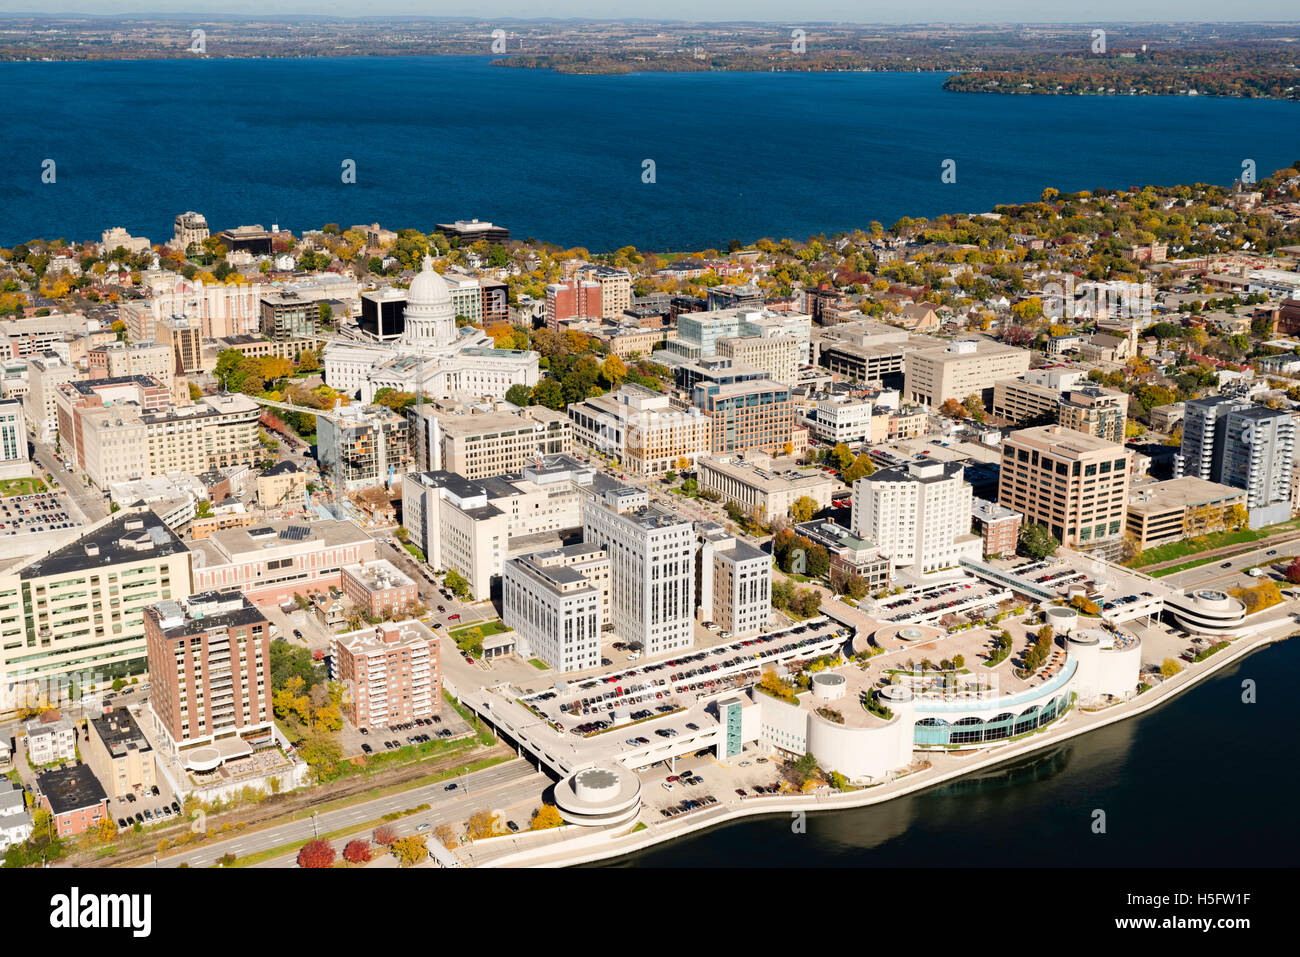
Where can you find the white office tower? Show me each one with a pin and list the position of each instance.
(734, 582)
(918, 514)
(652, 567)
(554, 601)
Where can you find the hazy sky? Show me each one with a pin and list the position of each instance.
(914, 11)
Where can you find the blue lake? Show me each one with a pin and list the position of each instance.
(559, 157)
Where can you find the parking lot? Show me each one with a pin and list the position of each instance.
(446, 726)
(35, 514)
(144, 806)
(932, 602)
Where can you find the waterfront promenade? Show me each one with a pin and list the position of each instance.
(567, 846)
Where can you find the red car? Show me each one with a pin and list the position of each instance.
(453, 617)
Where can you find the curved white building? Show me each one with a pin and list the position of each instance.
(1207, 611)
(599, 796)
(1062, 619)
(1108, 663)
(971, 720)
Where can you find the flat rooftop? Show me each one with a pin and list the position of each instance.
(129, 536)
(1180, 493)
(120, 733)
(70, 789)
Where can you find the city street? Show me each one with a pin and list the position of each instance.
(88, 501)
(503, 785)
(1230, 572)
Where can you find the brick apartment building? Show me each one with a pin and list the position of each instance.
(998, 527)
(571, 300)
(74, 797)
(210, 667)
(389, 673)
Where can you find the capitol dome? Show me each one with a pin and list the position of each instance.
(428, 288)
(429, 315)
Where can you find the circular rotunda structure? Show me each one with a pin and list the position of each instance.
(599, 796)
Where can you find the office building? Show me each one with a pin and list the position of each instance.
(250, 239)
(74, 798)
(874, 362)
(747, 415)
(757, 481)
(76, 613)
(847, 420)
(1035, 394)
(469, 525)
(556, 601)
(1160, 512)
(389, 673)
(119, 754)
(119, 360)
(733, 583)
(1074, 484)
(383, 314)
(210, 670)
(961, 369)
(363, 447)
(272, 563)
(477, 440)
(14, 461)
(778, 356)
(472, 231)
(917, 514)
(642, 429)
(652, 568)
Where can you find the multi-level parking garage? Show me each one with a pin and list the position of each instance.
(918, 606)
(655, 712)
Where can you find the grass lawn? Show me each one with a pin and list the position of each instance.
(539, 664)
(22, 486)
(494, 627)
(1166, 553)
(415, 552)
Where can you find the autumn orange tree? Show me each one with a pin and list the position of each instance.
(357, 852)
(385, 834)
(317, 853)
(546, 817)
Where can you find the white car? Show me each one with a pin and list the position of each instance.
(667, 786)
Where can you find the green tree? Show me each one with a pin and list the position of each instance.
(457, 583)
(550, 393)
(519, 395)
(1036, 541)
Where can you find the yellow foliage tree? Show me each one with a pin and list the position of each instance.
(409, 850)
(546, 817)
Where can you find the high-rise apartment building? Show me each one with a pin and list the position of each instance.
(389, 674)
(572, 300)
(209, 668)
(1094, 411)
(190, 227)
(1259, 456)
(14, 462)
(286, 315)
(362, 447)
(1074, 484)
(918, 515)
(615, 288)
(652, 568)
(45, 374)
(1229, 440)
(185, 339)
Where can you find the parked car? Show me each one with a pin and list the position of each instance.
(367, 748)
(451, 787)
(512, 825)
